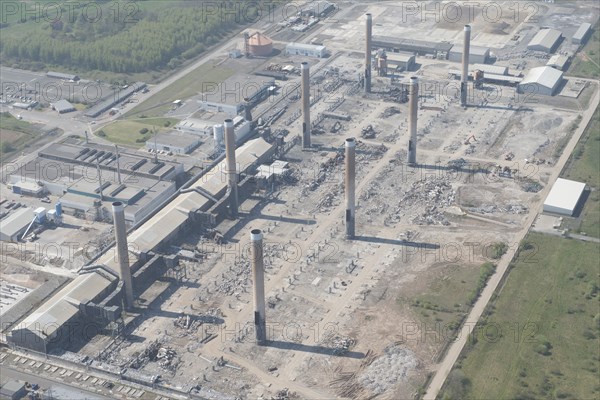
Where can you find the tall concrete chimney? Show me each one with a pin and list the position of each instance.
(464, 79)
(413, 105)
(305, 73)
(350, 179)
(231, 167)
(258, 279)
(368, 54)
(123, 252)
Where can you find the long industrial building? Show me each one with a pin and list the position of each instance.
(419, 47)
(98, 291)
(231, 95)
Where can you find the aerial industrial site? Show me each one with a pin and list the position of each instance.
(312, 225)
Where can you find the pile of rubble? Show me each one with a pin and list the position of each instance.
(326, 168)
(368, 132)
(431, 216)
(491, 209)
(431, 192)
(388, 112)
(235, 279)
(531, 186)
(338, 344)
(165, 356)
(388, 370)
(284, 394)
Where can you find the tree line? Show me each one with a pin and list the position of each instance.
(159, 38)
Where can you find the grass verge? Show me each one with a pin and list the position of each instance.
(538, 337)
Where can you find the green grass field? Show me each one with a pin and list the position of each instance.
(539, 336)
(584, 166)
(188, 86)
(15, 135)
(127, 132)
(587, 62)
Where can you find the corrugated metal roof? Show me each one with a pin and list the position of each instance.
(546, 38)
(304, 46)
(582, 31)
(544, 76)
(473, 50)
(63, 105)
(558, 61)
(490, 69)
(16, 221)
(64, 305)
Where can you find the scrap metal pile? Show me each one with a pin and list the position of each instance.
(156, 352)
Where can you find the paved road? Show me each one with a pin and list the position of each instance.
(444, 368)
(60, 390)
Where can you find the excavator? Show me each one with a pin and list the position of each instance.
(468, 141)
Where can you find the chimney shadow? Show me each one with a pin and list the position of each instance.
(396, 242)
(279, 344)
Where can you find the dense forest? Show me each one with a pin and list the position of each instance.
(152, 36)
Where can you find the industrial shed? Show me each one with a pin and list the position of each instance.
(558, 61)
(545, 40)
(541, 80)
(302, 49)
(57, 321)
(230, 95)
(418, 47)
(60, 75)
(13, 226)
(490, 69)
(564, 197)
(477, 54)
(404, 61)
(176, 142)
(63, 106)
(582, 34)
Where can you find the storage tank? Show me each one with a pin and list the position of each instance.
(259, 45)
(40, 215)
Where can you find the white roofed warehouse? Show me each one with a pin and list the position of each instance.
(302, 49)
(564, 197)
(541, 81)
(546, 40)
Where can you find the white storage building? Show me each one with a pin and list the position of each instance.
(541, 81)
(176, 142)
(545, 40)
(477, 54)
(302, 49)
(564, 197)
(582, 33)
(15, 224)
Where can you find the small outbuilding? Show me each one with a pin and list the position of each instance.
(63, 106)
(564, 197)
